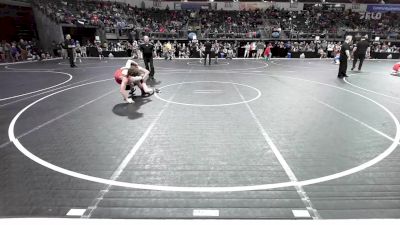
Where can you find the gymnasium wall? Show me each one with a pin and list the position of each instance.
(48, 30)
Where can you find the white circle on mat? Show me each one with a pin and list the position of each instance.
(380, 157)
(210, 105)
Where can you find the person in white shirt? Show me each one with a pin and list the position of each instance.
(330, 49)
(253, 49)
(246, 50)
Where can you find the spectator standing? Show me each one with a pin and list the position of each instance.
(14, 52)
(260, 49)
(267, 52)
(54, 48)
(2, 54)
(135, 48)
(100, 51)
(253, 50)
(330, 49)
(23, 49)
(158, 49)
(246, 50)
(216, 51)
(7, 51)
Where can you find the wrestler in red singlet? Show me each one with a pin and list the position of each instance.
(118, 76)
(396, 67)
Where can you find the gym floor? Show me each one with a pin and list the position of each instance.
(284, 139)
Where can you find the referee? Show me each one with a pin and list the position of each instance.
(147, 49)
(70, 46)
(360, 51)
(207, 52)
(344, 56)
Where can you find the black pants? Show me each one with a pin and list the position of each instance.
(148, 61)
(358, 57)
(55, 52)
(209, 58)
(71, 57)
(342, 67)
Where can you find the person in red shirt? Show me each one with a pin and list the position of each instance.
(267, 52)
(396, 69)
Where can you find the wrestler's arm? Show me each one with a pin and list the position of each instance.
(122, 90)
(130, 62)
(144, 71)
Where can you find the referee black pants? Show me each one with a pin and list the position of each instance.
(150, 68)
(342, 68)
(358, 57)
(71, 57)
(209, 58)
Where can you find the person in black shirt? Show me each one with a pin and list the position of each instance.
(70, 45)
(344, 56)
(147, 49)
(360, 51)
(207, 52)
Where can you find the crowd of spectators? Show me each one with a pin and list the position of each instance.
(28, 50)
(21, 50)
(329, 49)
(230, 22)
(255, 49)
(117, 17)
(385, 48)
(113, 16)
(321, 22)
(167, 50)
(120, 17)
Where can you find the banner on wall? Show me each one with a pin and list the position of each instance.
(383, 8)
(371, 16)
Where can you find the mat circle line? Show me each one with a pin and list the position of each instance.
(224, 70)
(221, 63)
(29, 69)
(92, 63)
(205, 105)
(347, 172)
(32, 92)
(304, 67)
